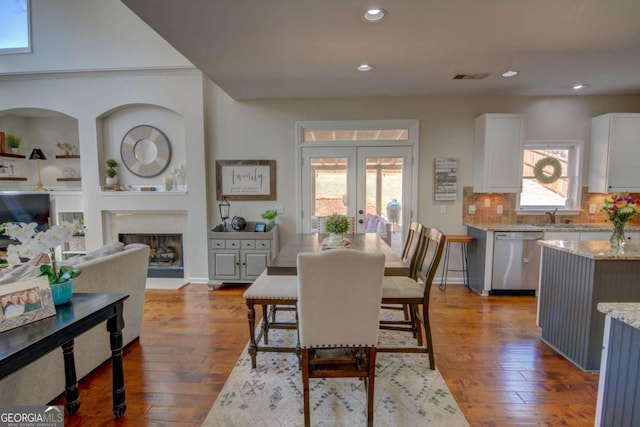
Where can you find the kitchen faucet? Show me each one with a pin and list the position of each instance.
(552, 215)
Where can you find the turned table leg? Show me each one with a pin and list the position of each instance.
(253, 347)
(114, 326)
(71, 382)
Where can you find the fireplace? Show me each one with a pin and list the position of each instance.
(165, 256)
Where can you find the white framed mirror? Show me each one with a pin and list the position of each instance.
(145, 151)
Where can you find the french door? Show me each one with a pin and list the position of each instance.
(373, 184)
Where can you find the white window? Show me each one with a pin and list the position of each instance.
(15, 34)
(551, 176)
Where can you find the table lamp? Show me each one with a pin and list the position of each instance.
(38, 155)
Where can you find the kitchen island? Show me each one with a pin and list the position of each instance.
(575, 276)
(619, 383)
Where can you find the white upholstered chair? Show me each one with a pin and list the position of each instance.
(339, 294)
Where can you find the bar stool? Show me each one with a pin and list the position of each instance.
(463, 240)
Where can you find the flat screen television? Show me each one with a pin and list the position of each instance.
(24, 207)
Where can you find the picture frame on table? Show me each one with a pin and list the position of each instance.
(25, 302)
(260, 227)
(246, 179)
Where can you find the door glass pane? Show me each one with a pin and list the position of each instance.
(328, 187)
(383, 193)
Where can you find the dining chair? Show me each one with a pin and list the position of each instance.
(412, 255)
(415, 294)
(339, 294)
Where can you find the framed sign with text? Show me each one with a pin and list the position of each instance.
(246, 179)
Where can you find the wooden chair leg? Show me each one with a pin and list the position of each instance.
(265, 323)
(427, 332)
(417, 324)
(405, 309)
(305, 386)
(371, 385)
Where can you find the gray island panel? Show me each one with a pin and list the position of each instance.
(572, 283)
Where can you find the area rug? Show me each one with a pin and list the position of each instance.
(407, 392)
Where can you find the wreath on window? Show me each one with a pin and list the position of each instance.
(538, 170)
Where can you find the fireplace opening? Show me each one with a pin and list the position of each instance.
(165, 255)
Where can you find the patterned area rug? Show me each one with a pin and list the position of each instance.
(407, 392)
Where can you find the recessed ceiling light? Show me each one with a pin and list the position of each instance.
(510, 73)
(578, 86)
(365, 67)
(374, 14)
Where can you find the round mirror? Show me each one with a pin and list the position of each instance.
(145, 151)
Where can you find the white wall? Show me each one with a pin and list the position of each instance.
(265, 130)
(83, 35)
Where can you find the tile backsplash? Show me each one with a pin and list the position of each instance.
(489, 215)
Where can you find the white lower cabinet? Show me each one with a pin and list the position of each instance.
(240, 257)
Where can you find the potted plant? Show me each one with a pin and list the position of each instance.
(336, 225)
(111, 172)
(14, 143)
(270, 215)
(34, 243)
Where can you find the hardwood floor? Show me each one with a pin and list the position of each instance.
(487, 349)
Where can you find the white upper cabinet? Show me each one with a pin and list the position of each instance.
(614, 153)
(497, 157)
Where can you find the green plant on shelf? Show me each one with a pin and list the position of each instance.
(111, 172)
(13, 141)
(270, 215)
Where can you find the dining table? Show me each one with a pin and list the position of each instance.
(276, 287)
(284, 264)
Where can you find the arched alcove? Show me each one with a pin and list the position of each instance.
(114, 124)
(56, 134)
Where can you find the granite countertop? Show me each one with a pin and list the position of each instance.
(626, 312)
(594, 249)
(548, 227)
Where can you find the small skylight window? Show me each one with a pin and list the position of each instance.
(15, 35)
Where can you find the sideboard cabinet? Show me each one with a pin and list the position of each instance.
(240, 256)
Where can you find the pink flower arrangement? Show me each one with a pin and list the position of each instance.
(621, 208)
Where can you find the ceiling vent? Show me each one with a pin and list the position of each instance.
(475, 76)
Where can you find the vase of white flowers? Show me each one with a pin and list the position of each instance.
(33, 243)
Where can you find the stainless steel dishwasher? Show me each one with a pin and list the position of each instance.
(516, 263)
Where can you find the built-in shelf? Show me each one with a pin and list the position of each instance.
(65, 156)
(15, 156)
(69, 179)
(12, 178)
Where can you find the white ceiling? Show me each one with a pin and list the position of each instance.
(257, 49)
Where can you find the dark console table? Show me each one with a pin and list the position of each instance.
(23, 345)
